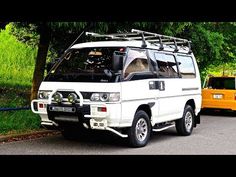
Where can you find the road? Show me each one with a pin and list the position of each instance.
(215, 135)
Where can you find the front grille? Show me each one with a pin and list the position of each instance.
(77, 115)
(86, 95)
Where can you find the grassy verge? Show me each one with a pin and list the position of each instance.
(16, 71)
(16, 60)
(17, 121)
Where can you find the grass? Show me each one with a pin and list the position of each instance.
(18, 121)
(16, 70)
(16, 60)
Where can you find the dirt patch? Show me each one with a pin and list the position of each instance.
(27, 136)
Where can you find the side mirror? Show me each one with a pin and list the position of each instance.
(117, 61)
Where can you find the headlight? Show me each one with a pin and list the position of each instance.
(94, 97)
(105, 97)
(43, 94)
(114, 97)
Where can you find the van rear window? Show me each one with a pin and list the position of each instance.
(221, 83)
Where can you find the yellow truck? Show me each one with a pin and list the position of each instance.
(219, 93)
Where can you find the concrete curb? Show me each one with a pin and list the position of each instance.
(30, 135)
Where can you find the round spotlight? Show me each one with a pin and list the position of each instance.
(72, 97)
(57, 97)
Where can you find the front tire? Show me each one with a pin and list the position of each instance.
(139, 132)
(184, 126)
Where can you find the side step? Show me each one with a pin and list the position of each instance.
(158, 128)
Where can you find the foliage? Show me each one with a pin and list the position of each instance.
(212, 42)
(26, 33)
(16, 60)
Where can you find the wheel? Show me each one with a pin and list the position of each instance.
(139, 132)
(184, 126)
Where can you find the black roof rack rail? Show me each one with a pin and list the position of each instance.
(152, 38)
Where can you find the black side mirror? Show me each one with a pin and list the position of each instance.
(117, 61)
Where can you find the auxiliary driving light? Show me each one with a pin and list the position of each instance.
(57, 97)
(72, 97)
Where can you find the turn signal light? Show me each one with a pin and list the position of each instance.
(41, 105)
(102, 109)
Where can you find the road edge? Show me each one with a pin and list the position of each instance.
(29, 135)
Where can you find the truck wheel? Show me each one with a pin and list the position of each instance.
(139, 132)
(184, 126)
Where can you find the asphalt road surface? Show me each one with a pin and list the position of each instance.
(215, 135)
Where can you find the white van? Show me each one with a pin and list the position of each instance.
(131, 84)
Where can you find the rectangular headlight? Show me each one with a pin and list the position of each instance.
(44, 94)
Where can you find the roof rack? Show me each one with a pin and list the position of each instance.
(152, 38)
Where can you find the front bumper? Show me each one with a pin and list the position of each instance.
(89, 110)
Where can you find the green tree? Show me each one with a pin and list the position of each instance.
(213, 43)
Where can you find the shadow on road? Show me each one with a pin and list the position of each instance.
(95, 137)
(165, 135)
(108, 139)
(218, 112)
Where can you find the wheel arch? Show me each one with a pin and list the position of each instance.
(146, 108)
(191, 103)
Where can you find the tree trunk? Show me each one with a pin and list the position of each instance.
(38, 76)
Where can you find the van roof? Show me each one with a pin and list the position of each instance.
(138, 44)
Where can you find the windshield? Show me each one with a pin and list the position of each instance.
(85, 65)
(221, 83)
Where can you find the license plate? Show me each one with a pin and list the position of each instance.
(217, 96)
(62, 109)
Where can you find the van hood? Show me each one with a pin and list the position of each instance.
(81, 86)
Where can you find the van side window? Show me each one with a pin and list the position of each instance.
(167, 65)
(136, 63)
(186, 66)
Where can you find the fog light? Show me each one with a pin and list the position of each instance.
(57, 97)
(72, 98)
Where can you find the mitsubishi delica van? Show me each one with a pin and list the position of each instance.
(129, 83)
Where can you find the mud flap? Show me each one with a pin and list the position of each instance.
(197, 120)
